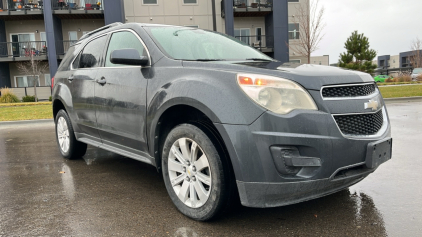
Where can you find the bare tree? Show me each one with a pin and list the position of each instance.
(34, 68)
(309, 16)
(416, 57)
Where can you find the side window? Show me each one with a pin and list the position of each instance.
(123, 40)
(91, 54)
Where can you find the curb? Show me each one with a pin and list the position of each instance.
(403, 99)
(37, 121)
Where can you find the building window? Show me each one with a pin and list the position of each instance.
(149, 1)
(258, 33)
(47, 79)
(293, 30)
(243, 35)
(43, 37)
(292, 0)
(26, 81)
(295, 61)
(190, 2)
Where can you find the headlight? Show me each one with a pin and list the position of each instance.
(276, 94)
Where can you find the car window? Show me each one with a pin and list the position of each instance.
(91, 54)
(123, 40)
(195, 44)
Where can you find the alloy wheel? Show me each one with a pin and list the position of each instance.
(63, 134)
(189, 172)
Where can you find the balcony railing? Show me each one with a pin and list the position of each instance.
(77, 4)
(253, 4)
(21, 5)
(23, 49)
(260, 42)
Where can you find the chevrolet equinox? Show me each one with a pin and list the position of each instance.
(219, 119)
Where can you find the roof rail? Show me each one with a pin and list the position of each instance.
(100, 29)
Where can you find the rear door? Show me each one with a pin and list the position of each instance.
(121, 99)
(82, 78)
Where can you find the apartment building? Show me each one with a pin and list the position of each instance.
(46, 29)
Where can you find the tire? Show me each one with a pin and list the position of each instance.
(69, 147)
(205, 174)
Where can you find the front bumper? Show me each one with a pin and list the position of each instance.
(342, 159)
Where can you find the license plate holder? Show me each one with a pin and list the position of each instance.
(378, 152)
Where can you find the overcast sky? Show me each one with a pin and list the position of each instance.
(390, 25)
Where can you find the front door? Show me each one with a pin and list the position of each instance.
(121, 98)
(82, 80)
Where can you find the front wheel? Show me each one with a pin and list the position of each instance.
(69, 147)
(194, 173)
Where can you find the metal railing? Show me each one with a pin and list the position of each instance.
(258, 41)
(23, 49)
(77, 4)
(255, 4)
(21, 5)
(66, 45)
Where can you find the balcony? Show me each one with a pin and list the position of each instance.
(250, 8)
(22, 51)
(260, 42)
(63, 46)
(78, 9)
(21, 9)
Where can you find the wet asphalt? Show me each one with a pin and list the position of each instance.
(106, 194)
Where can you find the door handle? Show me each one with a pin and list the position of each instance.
(102, 82)
(70, 78)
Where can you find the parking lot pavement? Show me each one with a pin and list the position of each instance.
(106, 194)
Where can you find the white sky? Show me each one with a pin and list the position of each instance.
(390, 25)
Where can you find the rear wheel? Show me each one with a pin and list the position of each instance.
(194, 173)
(69, 147)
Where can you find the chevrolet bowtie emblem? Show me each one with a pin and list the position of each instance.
(372, 104)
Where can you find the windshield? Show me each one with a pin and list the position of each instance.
(186, 43)
(417, 70)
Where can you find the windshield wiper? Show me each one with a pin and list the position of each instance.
(260, 59)
(204, 59)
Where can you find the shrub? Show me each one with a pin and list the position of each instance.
(419, 77)
(50, 98)
(7, 96)
(389, 80)
(28, 98)
(407, 78)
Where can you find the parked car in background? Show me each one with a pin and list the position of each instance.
(219, 119)
(415, 73)
(381, 78)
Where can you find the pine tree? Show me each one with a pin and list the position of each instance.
(358, 56)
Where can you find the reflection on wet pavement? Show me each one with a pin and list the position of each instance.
(106, 194)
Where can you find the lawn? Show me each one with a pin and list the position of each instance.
(401, 91)
(25, 112)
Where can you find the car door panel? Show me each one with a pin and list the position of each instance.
(121, 101)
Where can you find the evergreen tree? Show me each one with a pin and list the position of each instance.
(358, 56)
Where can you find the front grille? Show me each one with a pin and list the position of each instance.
(348, 91)
(360, 124)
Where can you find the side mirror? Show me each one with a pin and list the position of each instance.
(128, 57)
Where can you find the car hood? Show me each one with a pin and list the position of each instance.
(311, 77)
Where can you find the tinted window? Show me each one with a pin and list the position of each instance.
(123, 40)
(67, 60)
(91, 54)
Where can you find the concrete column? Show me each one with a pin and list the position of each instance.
(53, 29)
(281, 30)
(229, 17)
(114, 11)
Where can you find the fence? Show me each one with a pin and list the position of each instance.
(77, 4)
(252, 4)
(23, 49)
(258, 41)
(21, 5)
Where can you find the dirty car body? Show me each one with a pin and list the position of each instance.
(276, 158)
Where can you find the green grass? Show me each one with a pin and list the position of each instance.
(12, 113)
(398, 83)
(24, 104)
(401, 91)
